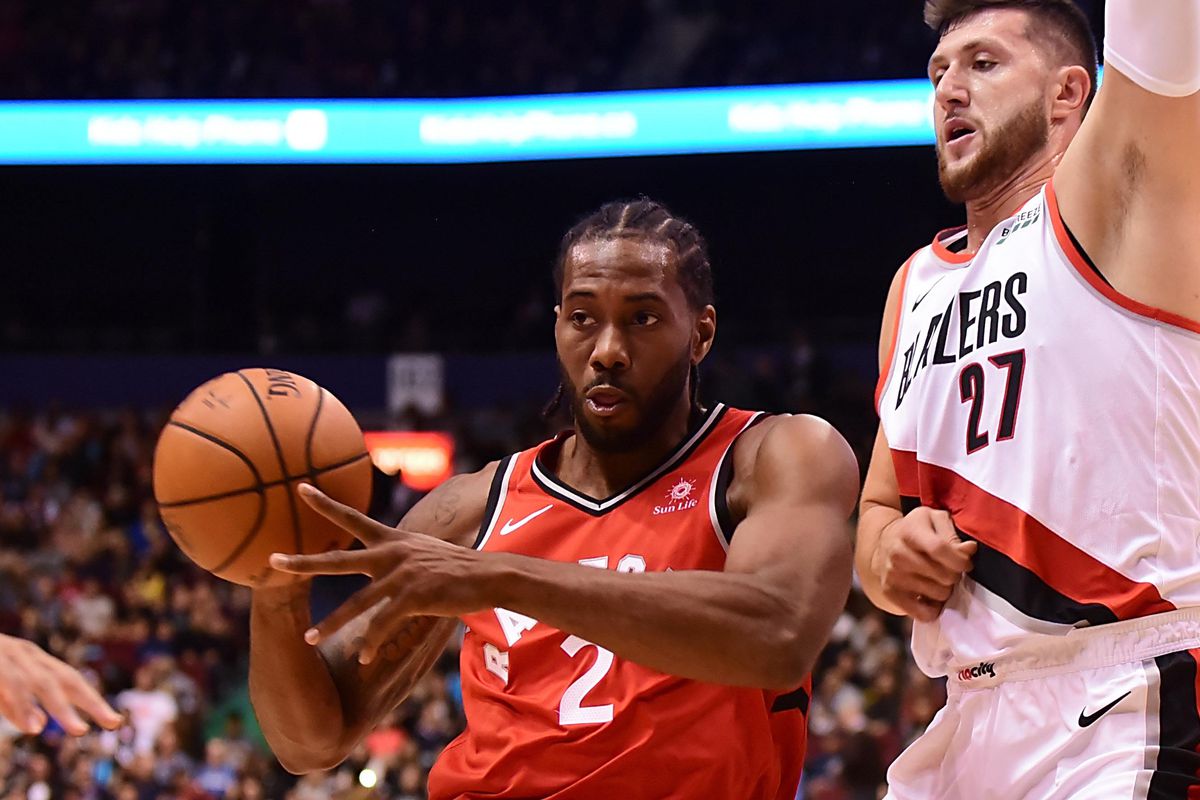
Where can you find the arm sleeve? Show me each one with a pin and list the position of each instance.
(1155, 43)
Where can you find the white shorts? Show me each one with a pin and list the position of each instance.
(1105, 712)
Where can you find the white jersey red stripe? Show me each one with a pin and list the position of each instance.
(1058, 422)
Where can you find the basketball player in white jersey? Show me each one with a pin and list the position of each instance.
(1033, 501)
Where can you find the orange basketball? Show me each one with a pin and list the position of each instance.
(229, 460)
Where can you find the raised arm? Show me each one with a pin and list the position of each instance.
(315, 703)
(760, 623)
(1129, 184)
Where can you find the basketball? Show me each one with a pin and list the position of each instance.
(229, 460)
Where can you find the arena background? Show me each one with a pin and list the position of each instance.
(124, 286)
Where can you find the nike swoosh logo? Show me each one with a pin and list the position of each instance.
(927, 291)
(1088, 719)
(511, 526)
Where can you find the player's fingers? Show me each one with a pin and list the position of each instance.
(17, 706)
(926, 610)
(918, 562)
(365, 529)
(915, 584)
(387, 637)
(929, 566)
(85, 697)
(358, 604)
(335, 562)
(949, 550)
(943, 525)
(50, 692)
(914, 606)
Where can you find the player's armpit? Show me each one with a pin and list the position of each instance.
(1128, 186)
(794, 499)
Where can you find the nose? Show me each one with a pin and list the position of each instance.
(610, 352)
(951, 92)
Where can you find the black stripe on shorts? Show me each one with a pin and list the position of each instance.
(1178, 765)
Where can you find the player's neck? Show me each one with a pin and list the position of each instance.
(987, 211)
(600, 474)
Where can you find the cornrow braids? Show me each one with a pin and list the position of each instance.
(652, 221)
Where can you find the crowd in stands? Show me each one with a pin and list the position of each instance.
(442, 48)
(88, 572)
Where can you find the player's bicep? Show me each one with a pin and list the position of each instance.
(803, 486)
(454, 510)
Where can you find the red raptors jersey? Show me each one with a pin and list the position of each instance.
(550, 715)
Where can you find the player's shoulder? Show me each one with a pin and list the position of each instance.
(454, 510)
(797, 450)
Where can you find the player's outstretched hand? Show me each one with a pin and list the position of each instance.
(412, 573)
(919, 561)
(34, 683)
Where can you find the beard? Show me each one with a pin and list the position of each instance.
(652, 411)
(1004, 151)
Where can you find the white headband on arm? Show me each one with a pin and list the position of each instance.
(1155, 43)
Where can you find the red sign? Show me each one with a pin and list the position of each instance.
(423, 458)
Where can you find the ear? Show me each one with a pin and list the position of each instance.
(1072, 87)
(704, 334)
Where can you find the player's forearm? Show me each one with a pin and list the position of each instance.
(712, 626)
(293, 693)
(872, 519)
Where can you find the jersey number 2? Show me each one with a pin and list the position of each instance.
(970, 385)
(571, 710)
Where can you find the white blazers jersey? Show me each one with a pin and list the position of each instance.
(1058, 422)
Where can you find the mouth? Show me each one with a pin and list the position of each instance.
(604, 401)
(958, 134)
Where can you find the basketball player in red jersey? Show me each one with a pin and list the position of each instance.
(644, 595)
(1033, 498)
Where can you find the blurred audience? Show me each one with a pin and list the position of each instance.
(439, 48)
(88, 572)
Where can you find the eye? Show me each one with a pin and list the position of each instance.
(644, 318)
(984, 64)
(580, 318)
(937, 76)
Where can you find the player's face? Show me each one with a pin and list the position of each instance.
(991, 115)
(627, 338)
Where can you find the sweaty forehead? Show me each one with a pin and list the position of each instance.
(620, 259)
(1004, 26)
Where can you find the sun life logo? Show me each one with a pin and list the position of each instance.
(679, 497)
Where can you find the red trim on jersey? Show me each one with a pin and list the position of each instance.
(946, 254)
(1080, 262)
(1060, 564)
(886, 372)
(908, 481)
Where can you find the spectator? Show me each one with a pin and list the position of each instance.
(216, 777)
(150, 709)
